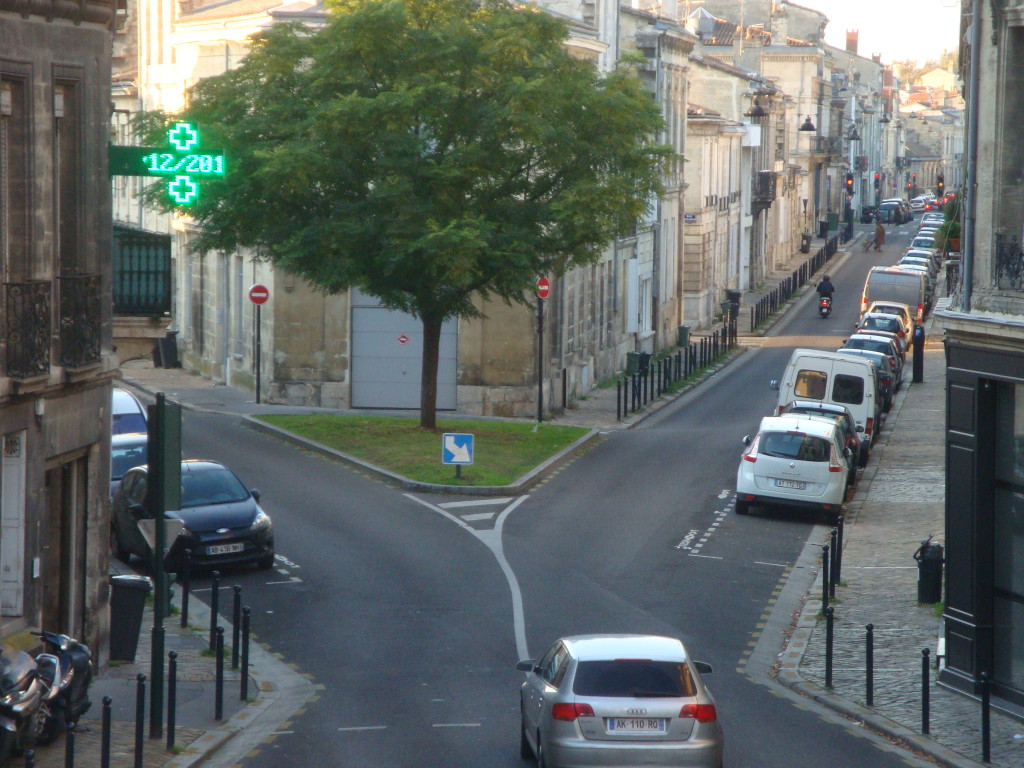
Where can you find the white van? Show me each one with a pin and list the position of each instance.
(889, 284)
(813, 374)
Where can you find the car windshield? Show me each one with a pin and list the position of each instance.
(214, 486)
(794, 445)
(872, 344)
(123, 458)
(889, 324)
(633, 678)
(128, 422)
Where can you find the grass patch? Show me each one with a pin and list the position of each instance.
(503, 450)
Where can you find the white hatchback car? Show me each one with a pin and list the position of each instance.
(794, 461)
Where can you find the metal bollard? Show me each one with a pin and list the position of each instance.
(186, 585)
(869, 665)
(236, 626)
(105, 734)
(918, 354)
(925, 693)
(218, 690)
(69, 746)
(214, 608)
(824, 577)
(829, 637)
(618, 399)
(833, 577)
(140, 717)
(986, 725)
(244, 696)
(30, 759)
(172, 698)
(837, 554)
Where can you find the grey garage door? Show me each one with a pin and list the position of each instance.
(387, 354)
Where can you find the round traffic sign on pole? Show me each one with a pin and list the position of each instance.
(258, 294)
(543, 287)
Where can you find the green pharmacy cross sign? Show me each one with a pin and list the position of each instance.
(181, 162)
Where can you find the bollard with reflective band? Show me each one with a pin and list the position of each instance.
(918, 354)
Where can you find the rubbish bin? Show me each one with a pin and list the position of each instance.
(833, 220)
(734, 299)
(632, 363)
(128, 595)
(168, 347)
(683, 339)
(929, 572)
(645, 362)
(823, 229)
(805, 242)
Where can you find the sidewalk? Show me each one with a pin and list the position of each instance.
(899, 501)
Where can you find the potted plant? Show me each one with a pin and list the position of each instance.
(949, 232)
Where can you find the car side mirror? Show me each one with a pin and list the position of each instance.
(526, 665)
(138, 510)
(703, 667)
(774, 384)
(860, 428)
(746, 440)
(255, 493)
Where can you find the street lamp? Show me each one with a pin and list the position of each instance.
(808, 126)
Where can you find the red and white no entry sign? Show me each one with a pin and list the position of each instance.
(258, 294)
(403, 339)
(543, 287)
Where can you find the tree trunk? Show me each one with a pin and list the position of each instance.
(428, 378)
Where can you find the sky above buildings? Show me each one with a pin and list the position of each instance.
(897, 29)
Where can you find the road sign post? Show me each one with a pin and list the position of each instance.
(457, 449)
(543, 288)
(258, 294)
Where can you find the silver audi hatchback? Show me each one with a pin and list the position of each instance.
(617, 700)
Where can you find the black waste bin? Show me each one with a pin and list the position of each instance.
(823, 230)
(805, 242)
(128, 595)
(929, 572)
(645, 362)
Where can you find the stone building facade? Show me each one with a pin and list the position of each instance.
(56, 356)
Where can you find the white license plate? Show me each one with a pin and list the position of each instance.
(636, 725)
(798, 485)
(224, 549)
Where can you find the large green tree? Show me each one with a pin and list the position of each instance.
(429, 152)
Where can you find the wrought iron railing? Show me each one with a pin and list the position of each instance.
(27, 308)
(764, 188)
(79, 321)
(1009, 266)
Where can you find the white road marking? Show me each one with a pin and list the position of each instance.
(456, 725)
(365, 728)
(474, 503)
(292, 580)
(492, 540)
(776, 565)
(478, 516)
(706, 557)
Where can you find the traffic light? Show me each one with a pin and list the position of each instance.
(878, 180)
(849, 183)
(941, 183)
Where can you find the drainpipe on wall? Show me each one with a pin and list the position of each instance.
(972, 158)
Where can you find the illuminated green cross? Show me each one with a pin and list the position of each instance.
(182, 162)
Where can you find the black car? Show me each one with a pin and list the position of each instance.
(867, 214)
(222, 521)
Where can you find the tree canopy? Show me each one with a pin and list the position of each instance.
(429, 153)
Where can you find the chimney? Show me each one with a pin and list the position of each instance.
(851, 41)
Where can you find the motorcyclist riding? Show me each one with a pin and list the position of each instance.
(825, 287)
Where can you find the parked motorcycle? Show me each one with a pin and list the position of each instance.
(67, 671)
(825, 306)
(21, 694)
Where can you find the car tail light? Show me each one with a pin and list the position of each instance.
(833, 463)
(869, 425)
(920, 312)
(751, 453)
(702, 713)
(892, 362)
(569, 712)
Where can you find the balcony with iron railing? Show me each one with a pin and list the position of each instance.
(79, 321)
(27, 309)
(764, 189)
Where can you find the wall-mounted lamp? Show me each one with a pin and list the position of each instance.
(853, 135)
(884, 118)
(756, 110)
(40, 408)
(808, 125)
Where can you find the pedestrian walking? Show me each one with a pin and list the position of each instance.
(879, 235)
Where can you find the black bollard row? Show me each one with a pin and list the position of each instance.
(925, 693)
(140, 717)
(245, 654)
(218, 689)
(236, 626)
(829, 638)
(105, 734)
(824, 577)
(833, 575)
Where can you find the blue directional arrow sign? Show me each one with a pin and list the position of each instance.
(456, 448)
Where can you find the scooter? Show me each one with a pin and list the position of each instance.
(825, 306)
(67, 674)
(21, 694)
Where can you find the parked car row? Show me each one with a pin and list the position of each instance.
(221, 520)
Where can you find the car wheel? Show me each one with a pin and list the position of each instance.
(266, 563)
(120, 552)
(742, 507)
(525, 750)
(862, 459)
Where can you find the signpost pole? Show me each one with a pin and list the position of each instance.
(258, 326)
(540, 359)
